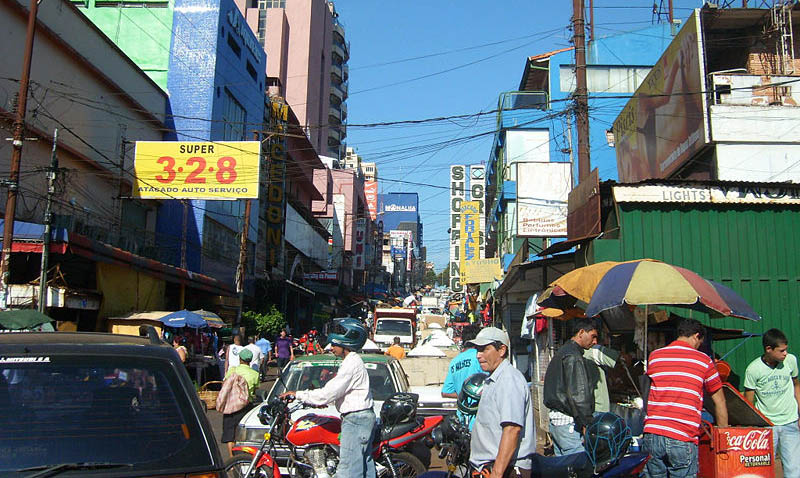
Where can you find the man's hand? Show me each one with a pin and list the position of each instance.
(288, 396)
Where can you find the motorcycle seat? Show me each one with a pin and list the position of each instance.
(574, 465)
(399, 429)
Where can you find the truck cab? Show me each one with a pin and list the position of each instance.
(396, 322)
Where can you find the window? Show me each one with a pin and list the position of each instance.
(234, 45)
(271, 4)
(605, 78)
(234, 118)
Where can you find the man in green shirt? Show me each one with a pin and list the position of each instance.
(244, 369)
(605, 358)
(770, 383)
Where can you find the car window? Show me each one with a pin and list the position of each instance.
(310, 376)
(97, 409)
(401, 376)
(393, 327)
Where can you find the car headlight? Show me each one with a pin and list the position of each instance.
(250, 435)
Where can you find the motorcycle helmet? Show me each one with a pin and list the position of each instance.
(470, 394)
(606, 439)
(399, 408)
(168, 337)
(348, 333)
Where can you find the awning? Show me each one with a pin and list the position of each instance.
(299, 288)
(566, 245)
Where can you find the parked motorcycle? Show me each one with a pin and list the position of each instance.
(313, 442)
(452, 438)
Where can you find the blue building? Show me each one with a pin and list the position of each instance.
(535, 123)
(216, 86)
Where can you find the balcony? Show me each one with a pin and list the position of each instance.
(334, 138)
(342, 131)
(334, 112)
(345, 72)
(339, 28)
(338, 49)
(336, 73)
(343, 108)
(520, 107)
(337, 91)
(344, 87)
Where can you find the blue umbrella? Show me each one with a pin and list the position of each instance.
(184, 318)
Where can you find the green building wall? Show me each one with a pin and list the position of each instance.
(141, 29)
(750, 248)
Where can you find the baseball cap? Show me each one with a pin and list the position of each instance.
(490, 335)
(245, 355)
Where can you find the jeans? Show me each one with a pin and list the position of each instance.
(282, 361)
(355, 450)
(669, 457)
(566, 440)
(786, 440)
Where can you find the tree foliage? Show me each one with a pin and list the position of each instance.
(269, 323)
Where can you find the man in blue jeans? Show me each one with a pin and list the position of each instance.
(349, 390)
(770, 383)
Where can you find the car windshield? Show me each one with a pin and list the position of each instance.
(310, 376)
(105, 409)
(393, 327)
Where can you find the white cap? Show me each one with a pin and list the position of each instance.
(490, 335)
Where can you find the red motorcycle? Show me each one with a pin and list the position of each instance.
(312, 442)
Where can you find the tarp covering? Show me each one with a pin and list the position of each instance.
(125, 290)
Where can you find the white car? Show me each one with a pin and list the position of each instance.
(313, 371)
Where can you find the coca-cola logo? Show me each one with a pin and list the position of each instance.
(752, 440)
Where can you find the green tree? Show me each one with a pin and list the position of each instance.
(269, 324)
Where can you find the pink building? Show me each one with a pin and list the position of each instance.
(307, 62)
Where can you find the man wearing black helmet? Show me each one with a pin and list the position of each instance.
(349, 390)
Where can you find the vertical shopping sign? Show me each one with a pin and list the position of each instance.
(274, 207)
(457, 194)
(470, 232)
(477, 188)
(371, 193)
(361, 231)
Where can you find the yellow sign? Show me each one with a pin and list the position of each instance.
(470, 231)
(185, 170)
(481, 270)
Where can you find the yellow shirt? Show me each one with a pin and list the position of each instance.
(250, 375)
(396, 351)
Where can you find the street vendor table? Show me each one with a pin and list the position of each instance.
(743, 449)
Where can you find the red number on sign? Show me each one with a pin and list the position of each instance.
(169, 169)
(226, 166)
(194, 177)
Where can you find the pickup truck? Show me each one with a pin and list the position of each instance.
(386, 376)
(396, 322)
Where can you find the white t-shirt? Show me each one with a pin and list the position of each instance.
(233, 355)
(257, 355)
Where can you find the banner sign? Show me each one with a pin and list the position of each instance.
(663, 124)
(457, 194)
(274, 207)
(322, 276)
(196, 170)
(470, 230)
(752, 193)
(398, 244)
(358, 254)
(482, 270)
(477, 191)
(371, 193)
(542, 193)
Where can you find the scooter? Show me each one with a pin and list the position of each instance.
(452, 438)
(313, 445)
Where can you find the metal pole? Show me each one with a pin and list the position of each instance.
(671, 12)
(16, 154)
(184, 234)
(48, 221)
(591, 20)
(242, 267)
(581, 92)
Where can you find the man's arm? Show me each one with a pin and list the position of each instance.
(750, 396)
(509, 441)
(721, 408)
(797, 395)
(579, 391)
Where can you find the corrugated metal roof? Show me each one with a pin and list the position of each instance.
(549, 53)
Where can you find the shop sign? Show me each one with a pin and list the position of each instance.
(482, 270)
(358, 254)
(470, 230)
(322, 276)
(457, 195)
(371, 193)
(542, 193)
(751, 193)
(274, 207)
(196, 170)
(477, 192)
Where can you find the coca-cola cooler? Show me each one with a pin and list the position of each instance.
(741, 450)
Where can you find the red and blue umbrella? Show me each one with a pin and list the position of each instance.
(650, 282)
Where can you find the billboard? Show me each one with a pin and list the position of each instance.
(273, 209)
(397, 244)
(542, 193)
(196, 170)
(664, 123)
(371, 193)
(482, 270)
(470, 231)
(477, 188)
(396, 208)
(358, 254)
(458, 182)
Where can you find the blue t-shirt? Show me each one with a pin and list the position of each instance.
(461, 367)
(264, 345)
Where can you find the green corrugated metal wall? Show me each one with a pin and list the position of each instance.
(752, 249)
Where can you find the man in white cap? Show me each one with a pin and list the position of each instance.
(503, 436)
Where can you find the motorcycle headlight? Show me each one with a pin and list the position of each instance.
(249, 435)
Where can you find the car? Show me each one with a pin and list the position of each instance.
(94, 404)
(386, 377)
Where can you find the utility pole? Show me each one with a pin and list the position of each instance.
(581, 92)
(16, 154)
(241, 270)
(48, 221)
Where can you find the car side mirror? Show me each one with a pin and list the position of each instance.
(261, 394)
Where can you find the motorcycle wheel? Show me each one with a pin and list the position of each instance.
(406, 465)
(236, 466)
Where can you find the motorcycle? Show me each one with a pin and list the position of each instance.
(312, 442)
(452, 438)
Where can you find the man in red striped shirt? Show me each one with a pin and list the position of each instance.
(679, 375)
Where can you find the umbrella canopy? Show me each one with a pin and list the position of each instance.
(579, 283)
(649, 282)
(22, 319)
(211, 318)
(183, 318)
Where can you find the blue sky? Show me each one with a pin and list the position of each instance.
(467, 53)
